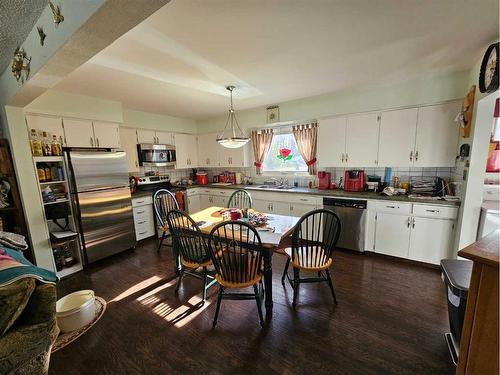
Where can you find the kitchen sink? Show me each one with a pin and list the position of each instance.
(281, 187)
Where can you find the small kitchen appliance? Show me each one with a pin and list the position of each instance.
(324, 179)
(155, 155)
(354, 180)
(202, 178)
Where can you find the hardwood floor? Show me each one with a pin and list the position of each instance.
(390, 319)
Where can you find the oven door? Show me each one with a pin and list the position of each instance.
(156, 155)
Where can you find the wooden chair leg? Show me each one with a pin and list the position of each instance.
(204, 293)
(179, 281)
(285, 270)
(296, 276)
(330, 283)
(219, 299)
(161, 241)
(259, 304)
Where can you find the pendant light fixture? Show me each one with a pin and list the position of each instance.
(233, 139)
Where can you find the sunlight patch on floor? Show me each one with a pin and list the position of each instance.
(136, 288)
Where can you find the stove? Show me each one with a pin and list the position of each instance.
(153, 183)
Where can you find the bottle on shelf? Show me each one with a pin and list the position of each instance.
(48, 173)
(47, 146)
(56, 146)
(68, 256)
(35, 144)
(40, 170)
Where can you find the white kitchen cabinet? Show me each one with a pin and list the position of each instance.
(194, 203)
(430, 239)
(144, 222)
(208, 150)
(362, 133)
(331, 142)
(392, 234)
(106, 134)
(164, 138)
(186, 150)
(52, 125)
(128, 140)
(300, 209)
(79, 133)
(437, 135)
(146, 136)
(271, 207)
(234, 157)
(397, 138)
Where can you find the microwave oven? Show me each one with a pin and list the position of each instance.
(156, 155)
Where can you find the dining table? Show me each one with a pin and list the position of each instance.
(275, 234)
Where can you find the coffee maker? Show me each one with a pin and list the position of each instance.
(354, 180)
(324, 179)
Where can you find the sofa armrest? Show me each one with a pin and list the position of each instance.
(41, 306)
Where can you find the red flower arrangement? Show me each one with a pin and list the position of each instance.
(285, 154)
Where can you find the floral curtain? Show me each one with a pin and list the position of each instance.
(306, 136)
(261, 141)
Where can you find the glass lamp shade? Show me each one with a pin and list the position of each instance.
(235, 142)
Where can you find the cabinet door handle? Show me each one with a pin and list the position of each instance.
(346, 157)
(436, 211)
(408, 223)
(141, 222)
(140, 212)
(413, 223)
(139, 202)
(342, 157)
(411, 155)
(136, 163)
(91, 142)
(291, 208)
(303, 199)
(141, 233)
(97, 141)
(391, 206)
(416, 155)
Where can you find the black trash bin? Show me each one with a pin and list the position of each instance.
(456, 275)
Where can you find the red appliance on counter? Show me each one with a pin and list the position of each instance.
(201, 178)
(354, 180)
(324, 179)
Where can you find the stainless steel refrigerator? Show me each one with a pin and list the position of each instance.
(100, 193)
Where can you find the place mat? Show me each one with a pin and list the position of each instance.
(67, 338)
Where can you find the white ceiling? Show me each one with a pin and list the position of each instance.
(178, 61)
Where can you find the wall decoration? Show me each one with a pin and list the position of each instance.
(488, 74)
(285, 154)
(465, 115)
(56, 13)
(273, 114)
(41, 34)
(20, 65)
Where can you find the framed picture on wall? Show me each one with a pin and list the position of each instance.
(273, 114)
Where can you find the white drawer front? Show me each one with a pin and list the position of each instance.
(144, 230)
(206, 191)
(142, 213)
(136, 202)
(191, 192)
(224, 193)
(435, 211)
(393, 207)
(304, 199)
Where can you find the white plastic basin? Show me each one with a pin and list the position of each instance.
(75, 310)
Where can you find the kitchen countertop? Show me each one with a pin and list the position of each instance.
(333, 193)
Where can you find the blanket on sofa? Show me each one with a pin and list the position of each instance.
(14, 266)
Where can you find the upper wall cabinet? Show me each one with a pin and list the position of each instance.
(128, 140)
(165, 138)
(234, 157)
(106, 134)
(397, 138)
(146, 136)
(186, 150)
(208, 150)
(331, 142)
(79, 133)
(52, 125)
(85, 133)
(361, 140)
(437, 135)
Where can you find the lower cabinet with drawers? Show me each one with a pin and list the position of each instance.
(419, 232)
(144, 221)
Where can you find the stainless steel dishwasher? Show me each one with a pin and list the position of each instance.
(352, 215)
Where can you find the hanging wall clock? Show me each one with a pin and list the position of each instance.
(488, 75)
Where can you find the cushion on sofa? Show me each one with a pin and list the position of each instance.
(13, 299)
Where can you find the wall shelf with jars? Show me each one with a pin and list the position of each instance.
(51, 170)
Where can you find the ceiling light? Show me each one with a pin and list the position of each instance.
(232, 140)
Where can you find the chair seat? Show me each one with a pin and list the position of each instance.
(195, 265)
(229, 284)
(308, 263)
